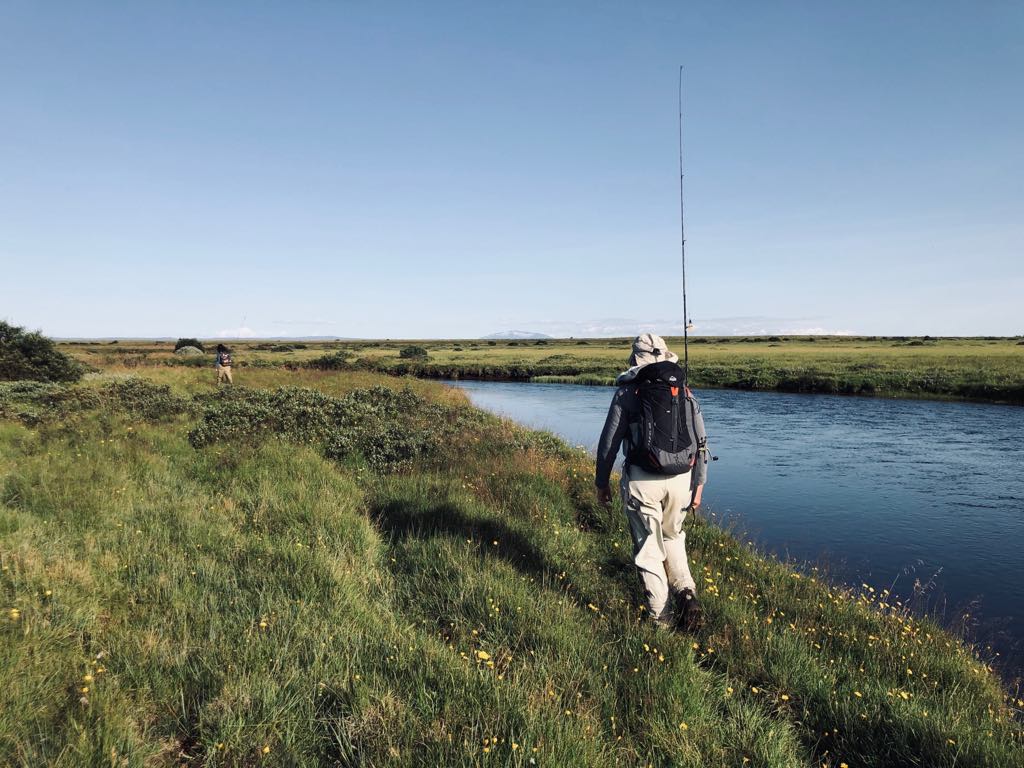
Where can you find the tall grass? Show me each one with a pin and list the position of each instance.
(254, 603)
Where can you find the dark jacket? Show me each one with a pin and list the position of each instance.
(620, 425)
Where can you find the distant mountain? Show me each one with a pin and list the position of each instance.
(506, 335)
(207, 338)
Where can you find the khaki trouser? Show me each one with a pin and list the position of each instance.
(224, 372)
(656, 507)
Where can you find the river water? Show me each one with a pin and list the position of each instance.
(923, 497)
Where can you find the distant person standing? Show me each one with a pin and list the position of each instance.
(659, 424)
(223, 365)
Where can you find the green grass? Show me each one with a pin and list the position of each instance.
(979, 369)
(252, 603)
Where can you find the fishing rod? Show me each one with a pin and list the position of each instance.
(687, 323)
(682, 241)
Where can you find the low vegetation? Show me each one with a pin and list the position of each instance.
(979, 369)
(345, 569)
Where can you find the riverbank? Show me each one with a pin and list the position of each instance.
(969, 369)
(297, 576)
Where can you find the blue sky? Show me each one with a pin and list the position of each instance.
(382, 169)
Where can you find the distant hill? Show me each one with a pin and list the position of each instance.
(505, 335)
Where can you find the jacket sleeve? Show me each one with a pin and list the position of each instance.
(615, 427)
(700, 469)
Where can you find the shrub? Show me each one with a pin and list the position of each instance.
(34, 357)
(332, 361)
(141, 398)
(413, 353)
(278, 347)
(387, 429)
(189, 343)
(45, 401)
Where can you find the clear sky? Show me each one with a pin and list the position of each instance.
(452, 169)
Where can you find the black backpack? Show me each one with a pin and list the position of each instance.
(664, 441)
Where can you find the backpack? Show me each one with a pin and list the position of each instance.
(664, 441)
(225, 359)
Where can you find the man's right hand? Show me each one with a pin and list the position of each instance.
(697, 494)
(604, 495)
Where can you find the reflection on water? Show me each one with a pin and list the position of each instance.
(888, 492)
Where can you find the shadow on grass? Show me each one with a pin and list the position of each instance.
(403, 519)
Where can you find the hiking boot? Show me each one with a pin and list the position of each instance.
(663, 622)
(690, 617)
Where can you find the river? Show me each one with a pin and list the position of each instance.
(926, 498)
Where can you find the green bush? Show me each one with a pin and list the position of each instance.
(34, 357)
(386, 428)
(189, 343)
(413, 353)
(36, 402)
(138, 397)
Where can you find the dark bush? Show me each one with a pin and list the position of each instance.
(278, 347)
(189, 343)
(332, 361)
(413, 353)
(492, 343)
(32, 356)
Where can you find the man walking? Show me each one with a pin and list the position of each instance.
(223, 365)
(656, 419)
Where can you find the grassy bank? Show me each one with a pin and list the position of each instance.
(304, 576)
(977, 369)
